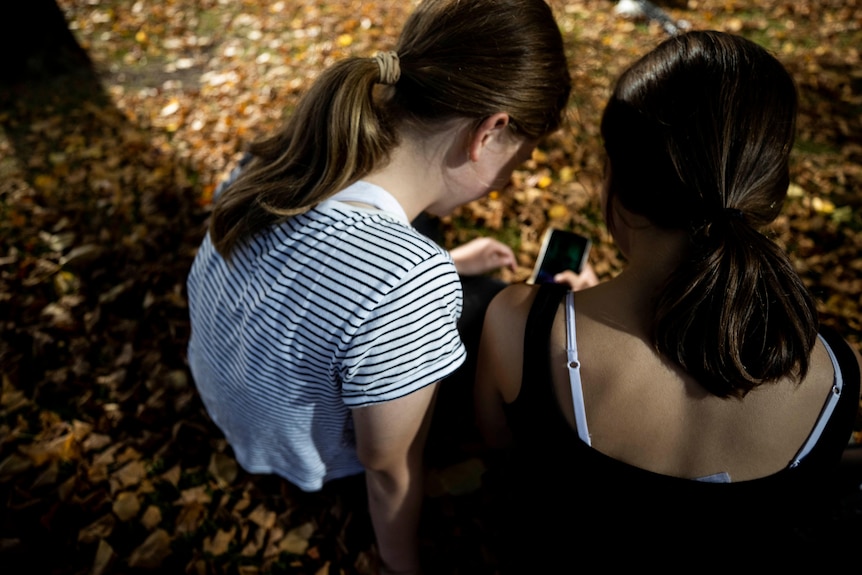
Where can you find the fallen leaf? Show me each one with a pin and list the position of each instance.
(263, 517)
(171, 107)
(151, 517)
(101, 528)
(558, 212)
(219, 543)
(126, 505)
(272, 549)
(13, 465)
(105, 556)
(190, 518)
(152, 552)
(11, 399)
(48, 476)
(129, 475)
(64, 448)
(223, 468)
(195, 495)
(296, 540)
(173, 475)
(95, 441)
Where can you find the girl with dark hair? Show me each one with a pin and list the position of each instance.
(322, 321)
(692, 406)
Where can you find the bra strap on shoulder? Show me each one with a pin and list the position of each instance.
(574, 366)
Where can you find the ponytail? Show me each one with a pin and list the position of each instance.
(698, 134)
(736, 315)
(450, 62)
(335, 136)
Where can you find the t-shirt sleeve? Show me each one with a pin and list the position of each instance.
(409, 340)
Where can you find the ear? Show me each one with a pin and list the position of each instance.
(490, 128)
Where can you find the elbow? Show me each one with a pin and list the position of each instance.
(388, 475)
(373, 459)
(390, 466)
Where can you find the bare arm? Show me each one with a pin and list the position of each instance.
(500, 361)
(482, 255)
(390, 438)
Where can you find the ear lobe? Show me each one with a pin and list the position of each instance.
(491, 127)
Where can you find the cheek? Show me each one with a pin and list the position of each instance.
(521, 155)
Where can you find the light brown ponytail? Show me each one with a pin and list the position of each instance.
(454, 59)
(334, 136)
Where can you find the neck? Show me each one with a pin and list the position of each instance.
(416, 174)
(653, 255)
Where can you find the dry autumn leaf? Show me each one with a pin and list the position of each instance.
(295, 541)
(151, 518)
(219, 543)
(190, 518)
(99, 529)
(152, 552)
(223, 468)
(263, 517)
(105, 557)
(105, 188)
(129, 475)
(126, 505)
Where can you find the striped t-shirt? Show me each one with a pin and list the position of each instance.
(337, 308)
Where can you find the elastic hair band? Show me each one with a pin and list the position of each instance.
(734, 214)
(389, 66)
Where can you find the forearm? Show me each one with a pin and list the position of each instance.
(482, 255)
(395, 500)
(390, 442)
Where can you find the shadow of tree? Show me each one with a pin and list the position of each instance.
(98, 230)
(99, 224)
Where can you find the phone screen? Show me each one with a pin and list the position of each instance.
(561, 250)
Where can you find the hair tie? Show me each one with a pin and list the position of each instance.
(702, 230)
(389, 66)
(733, 214)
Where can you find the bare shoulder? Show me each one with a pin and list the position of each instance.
(507, 313)
(513, 299)
(502, 344)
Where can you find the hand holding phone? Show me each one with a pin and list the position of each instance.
(561, 250)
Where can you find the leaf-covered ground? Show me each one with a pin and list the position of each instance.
(108, 463)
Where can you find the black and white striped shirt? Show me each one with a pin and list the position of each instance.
(334, 309)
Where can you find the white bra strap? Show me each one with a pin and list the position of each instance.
(575, 371)
(828, 408)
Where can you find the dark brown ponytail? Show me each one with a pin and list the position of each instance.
(736, 314)
(698, 134)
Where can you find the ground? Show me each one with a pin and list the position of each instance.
(108, 463)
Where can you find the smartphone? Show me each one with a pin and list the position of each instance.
(561, 250)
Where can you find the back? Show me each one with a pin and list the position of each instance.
(680, 429)
(334, 309)
(647, 444)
